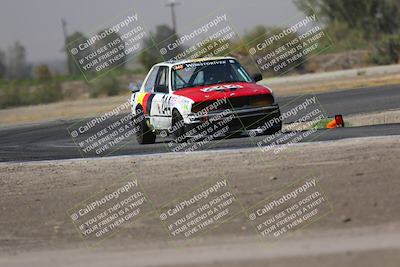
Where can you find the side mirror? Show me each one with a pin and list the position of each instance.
(257, 77)
(135, 87)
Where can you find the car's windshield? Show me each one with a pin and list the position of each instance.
(208, 73)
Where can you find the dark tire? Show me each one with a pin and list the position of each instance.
(273, 130)
(276, 127)
(144, 135)
(236, 134)
(178, 127)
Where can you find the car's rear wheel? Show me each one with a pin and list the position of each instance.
(144, 135)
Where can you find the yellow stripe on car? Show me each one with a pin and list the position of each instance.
(140, 99)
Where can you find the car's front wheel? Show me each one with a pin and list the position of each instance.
(273, 130)
(276, 125)
(178, 127)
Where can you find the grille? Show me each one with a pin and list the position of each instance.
(235, 103)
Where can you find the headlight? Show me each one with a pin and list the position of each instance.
(208, 106)
(261, 100)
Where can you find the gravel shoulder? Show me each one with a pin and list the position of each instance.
(358, 176)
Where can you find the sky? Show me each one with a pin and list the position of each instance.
(37, 23)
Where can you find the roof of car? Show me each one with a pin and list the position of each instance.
(184, 61)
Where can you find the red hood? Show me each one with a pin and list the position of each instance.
(225, 90)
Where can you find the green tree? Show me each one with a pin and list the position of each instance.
(163, 36)
(72, 42)
(42, 72)
(2, 64)
(13, 95)
(17, 66)
(215, 48)
(107, 85)
(260, 33)
(255, 33)
(387, 50)
(346, 38)
(47, 92)
(111, 38)
(371, 17)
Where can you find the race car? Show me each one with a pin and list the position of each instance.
(178, 98)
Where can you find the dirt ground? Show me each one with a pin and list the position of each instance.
(374, 118)
(331, 86)
(358, 176)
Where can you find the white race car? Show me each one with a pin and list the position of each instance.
(178, 97)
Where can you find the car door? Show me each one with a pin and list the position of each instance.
(161, 108)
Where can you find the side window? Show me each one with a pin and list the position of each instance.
(162, 81)
(150, 83)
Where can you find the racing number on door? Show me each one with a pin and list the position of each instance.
(166, 105)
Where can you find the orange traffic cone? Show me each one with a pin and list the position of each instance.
(331, 124)
(335, 123)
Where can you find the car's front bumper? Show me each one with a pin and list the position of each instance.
(242, 119)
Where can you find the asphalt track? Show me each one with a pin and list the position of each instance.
(51, 141)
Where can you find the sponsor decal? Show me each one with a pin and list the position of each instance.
(148, 103)
(221, 88)
(179, 67)
(145, 100)
(199, 63)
